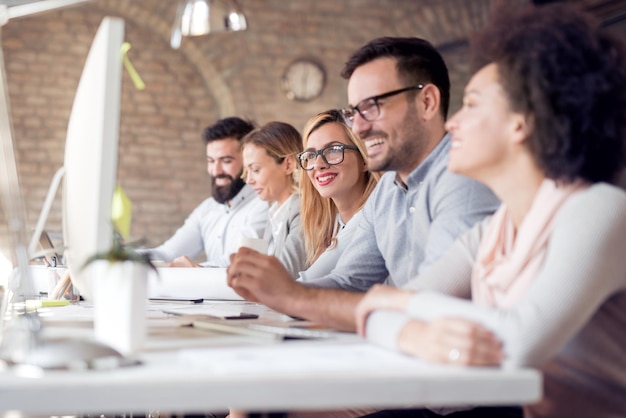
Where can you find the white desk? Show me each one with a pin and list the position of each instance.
(177, 375)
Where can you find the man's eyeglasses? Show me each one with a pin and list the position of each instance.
(332, 155)
(369, 109)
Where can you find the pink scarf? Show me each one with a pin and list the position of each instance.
(507, 261)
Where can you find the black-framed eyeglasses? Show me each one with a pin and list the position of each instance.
(332, 155)
(369, 108)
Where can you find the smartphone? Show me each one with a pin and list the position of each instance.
(177, 300)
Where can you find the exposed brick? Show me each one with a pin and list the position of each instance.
(162, 160)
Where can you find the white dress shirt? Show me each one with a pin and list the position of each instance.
(217, 229)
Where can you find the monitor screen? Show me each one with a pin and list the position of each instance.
(91, 153)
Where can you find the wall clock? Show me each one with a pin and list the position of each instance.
(303, 80)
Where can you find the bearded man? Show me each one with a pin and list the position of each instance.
(232, 212)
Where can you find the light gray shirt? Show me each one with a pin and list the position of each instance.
(404, 229)
(284, 233)
(217, 229)
(327, 261)
(570, 322)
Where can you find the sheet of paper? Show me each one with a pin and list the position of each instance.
(73, 312)
(210, 309)
(297, 358)
(208, 283)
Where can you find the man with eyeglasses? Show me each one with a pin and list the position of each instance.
(399, 94)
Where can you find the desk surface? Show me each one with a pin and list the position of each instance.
(191, 370)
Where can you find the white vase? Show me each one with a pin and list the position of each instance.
(120, 294)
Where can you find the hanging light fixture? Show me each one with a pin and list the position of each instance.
(201, 17)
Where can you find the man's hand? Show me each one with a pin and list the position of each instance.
(260, 278)
(183, 261)
(380, 297)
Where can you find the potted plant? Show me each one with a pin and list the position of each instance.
(119, 286)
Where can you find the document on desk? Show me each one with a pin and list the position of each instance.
(182, 282)
(298, 358)
(190, 312)
(267, 330)
(245, 318)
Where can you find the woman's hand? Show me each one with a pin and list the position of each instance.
(380, 297)
(451, 340)
(260, 278)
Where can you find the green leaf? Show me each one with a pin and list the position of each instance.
(120, 253)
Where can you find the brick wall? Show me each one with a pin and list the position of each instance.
(161, 157)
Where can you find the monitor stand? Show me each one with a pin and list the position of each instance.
(74, 354)
(25, 347)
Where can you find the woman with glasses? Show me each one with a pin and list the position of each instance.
(269, 157)
(335, 184)
(542, 283)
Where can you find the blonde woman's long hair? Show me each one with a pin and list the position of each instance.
(318, 214)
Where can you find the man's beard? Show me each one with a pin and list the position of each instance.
(405, 151)
(223, 194)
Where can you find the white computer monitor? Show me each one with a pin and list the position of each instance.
(91, 154)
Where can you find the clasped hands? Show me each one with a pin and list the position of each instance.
(446, 340)
(261, 278)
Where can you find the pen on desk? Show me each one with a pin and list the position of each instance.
(177, 300)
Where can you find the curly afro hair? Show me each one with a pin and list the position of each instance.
(568, 76)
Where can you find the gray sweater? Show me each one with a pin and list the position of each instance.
(284, 233)
(571, 324)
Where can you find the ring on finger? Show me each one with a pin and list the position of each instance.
(454, 355)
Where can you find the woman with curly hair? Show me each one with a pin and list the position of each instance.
(542, 283)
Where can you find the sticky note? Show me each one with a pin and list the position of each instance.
(46, 303)
(121, 212)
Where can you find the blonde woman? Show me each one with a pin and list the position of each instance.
(335, 184)
(269, 158)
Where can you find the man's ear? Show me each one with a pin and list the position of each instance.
(430, 100)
